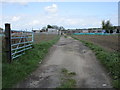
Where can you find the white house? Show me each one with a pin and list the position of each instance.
(52, 31)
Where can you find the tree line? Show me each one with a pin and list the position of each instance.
(45, 28)
(108, 27)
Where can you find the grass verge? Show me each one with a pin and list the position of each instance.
(109, 59)
(20, 68)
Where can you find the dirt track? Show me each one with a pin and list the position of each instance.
(74, 56)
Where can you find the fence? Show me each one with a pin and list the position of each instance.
(17, 42)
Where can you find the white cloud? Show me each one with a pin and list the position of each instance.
(15, 18)
(34, 22)
(23, 3)
(72, 21)
(51, 9)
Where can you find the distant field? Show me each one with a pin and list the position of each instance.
(43, 37)
(108, 42)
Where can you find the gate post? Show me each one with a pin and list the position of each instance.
(8, 42)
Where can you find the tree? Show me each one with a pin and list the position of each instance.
(114, 27)
(107, 26)
(49, 26)
(103, 24)
(118, 31)
(111, 31)
(55, 27)
(62, 28)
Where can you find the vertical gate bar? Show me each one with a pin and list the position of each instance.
(32, 36)
(8, 42)
(24, 39)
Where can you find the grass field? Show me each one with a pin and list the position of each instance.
(20, 68)
(108, 42)
(43, 37)
(109, 59)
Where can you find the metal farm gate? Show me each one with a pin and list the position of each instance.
(17, 42)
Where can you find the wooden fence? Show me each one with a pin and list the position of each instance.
(17, 42)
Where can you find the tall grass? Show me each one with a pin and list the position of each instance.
(20, 68)
(109, 59)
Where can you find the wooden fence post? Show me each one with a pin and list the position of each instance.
(8, 42)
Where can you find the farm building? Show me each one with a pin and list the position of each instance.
(52, 30)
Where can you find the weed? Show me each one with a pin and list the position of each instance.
(68, 83)
(67, 73)
(71, 73)
(64, 70)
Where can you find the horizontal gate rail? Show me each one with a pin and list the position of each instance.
(19, 37)
(21, 43)
(21, 31)
(21, 47)
(21, 50)
(12, 34)
(17, 56)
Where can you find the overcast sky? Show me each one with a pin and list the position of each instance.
(28, 15)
